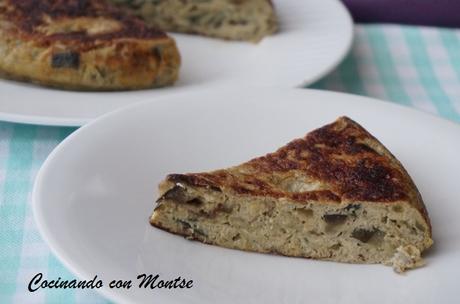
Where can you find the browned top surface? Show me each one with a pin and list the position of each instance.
(340, 162)
(29, 17)
(341, 156)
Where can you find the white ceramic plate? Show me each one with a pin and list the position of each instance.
(94, 194)
(314, 37)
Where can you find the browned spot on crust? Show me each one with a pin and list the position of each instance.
(195, 180)
(320, 195)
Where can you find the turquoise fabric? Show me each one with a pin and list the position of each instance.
(413, 66)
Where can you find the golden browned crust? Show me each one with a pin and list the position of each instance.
(344, 161)
(28, 15)
(83, 44)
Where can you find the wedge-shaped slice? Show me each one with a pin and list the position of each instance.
(229, 19)
(337, 194)
(87, 45)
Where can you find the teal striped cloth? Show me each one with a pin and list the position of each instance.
(413, 66)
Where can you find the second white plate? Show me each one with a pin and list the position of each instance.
(314, 37)
(94, 194)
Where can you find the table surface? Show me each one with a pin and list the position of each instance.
(414, 66)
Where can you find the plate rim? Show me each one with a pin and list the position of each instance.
(345, 51)
(47, 121)
(37, 203)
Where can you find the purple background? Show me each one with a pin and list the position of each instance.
(419, 12)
